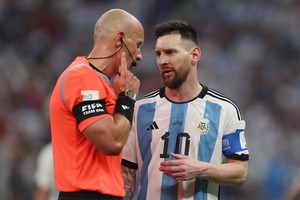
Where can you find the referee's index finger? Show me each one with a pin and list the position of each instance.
(123, 67)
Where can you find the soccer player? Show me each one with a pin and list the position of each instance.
(186, 139)
(91, 116)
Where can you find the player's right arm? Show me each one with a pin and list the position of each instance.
(129, 176)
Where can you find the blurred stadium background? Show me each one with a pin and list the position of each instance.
(250, 52)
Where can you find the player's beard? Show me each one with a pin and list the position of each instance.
(178, 79)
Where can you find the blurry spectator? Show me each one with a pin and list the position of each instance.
(19, 182)
(44, 177)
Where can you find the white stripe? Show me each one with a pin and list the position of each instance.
(222, 97)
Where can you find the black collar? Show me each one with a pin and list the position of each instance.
(95, 68)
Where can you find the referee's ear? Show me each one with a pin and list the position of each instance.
(119, 39)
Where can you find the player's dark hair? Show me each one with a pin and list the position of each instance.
(186, 30)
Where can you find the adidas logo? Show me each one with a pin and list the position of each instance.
(152, 126)
(125, 107)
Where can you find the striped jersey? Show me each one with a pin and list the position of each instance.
(208, 128)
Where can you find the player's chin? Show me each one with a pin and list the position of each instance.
(168, 82)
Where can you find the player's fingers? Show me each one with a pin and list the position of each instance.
(169, 163)
(178, 156)
(169, 169)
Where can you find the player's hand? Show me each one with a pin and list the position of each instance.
(183, 168)
(125, 80)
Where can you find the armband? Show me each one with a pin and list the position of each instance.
(125, 106)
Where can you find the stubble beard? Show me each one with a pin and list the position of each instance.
(177, 81)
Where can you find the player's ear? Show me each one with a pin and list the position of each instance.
(196, 54)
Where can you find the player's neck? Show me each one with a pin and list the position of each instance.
(184, 93)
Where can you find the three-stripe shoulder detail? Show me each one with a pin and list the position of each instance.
(151, 94)
(221, 97)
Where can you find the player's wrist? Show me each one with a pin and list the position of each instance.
(125, 105)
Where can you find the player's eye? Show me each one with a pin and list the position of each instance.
(169, 52)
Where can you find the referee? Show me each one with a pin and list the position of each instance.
(91, 116)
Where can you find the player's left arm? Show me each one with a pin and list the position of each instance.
(233, 172)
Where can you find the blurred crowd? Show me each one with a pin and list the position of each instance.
(250, 52)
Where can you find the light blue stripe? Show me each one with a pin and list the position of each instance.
(207, 145)
(169, 189)
(144, 120)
